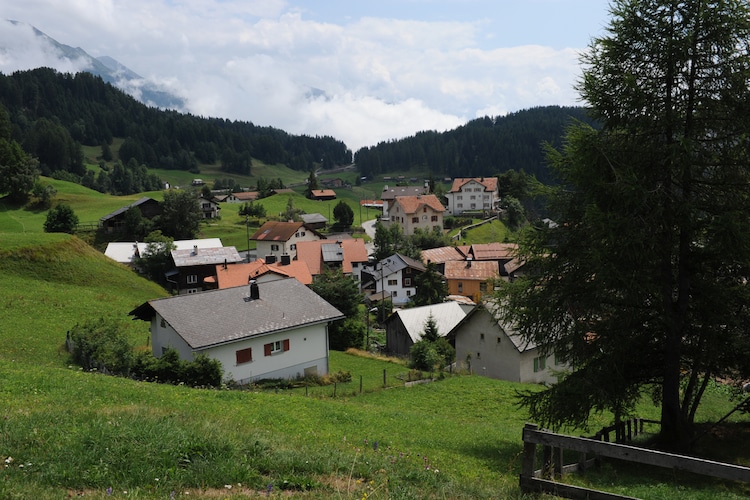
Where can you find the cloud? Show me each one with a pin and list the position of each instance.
(381, 78)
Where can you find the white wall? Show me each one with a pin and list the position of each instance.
(308, 348)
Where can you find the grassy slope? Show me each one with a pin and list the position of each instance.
(81, 431)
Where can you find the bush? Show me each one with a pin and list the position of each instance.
(102, 345)
(61, 219)
(429, 355)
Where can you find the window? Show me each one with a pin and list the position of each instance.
(460, 205)
(473, 197)
(303, 234)
(414, 220)
(481, 336)
(192, 279)
(392, 282)
(395, 293)
(459, 197)
(540, 363)
(424, 217)
(433, 218)
(293, 246)
(408, 293)
(424, 209)
(276, 347)
(460, 287)
(163, 323)
(499, 340)
(193, 290)
(483, 286)
(296, 235)
(244, 355)
(407, 281)
(275, 248)
(479, 355)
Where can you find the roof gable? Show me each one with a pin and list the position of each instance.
(240, 274)
(276, 231)
(489, 183)
(412, 204)
(446, 315)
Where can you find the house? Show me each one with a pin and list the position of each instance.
(439, 256)
(314, 221)
(322, 194)
(193, 266)
(227, 198)
(255, 331)
(388, 196)
(412, 212)
(405, 327)
(394, 276)
(279, 238)
(350, 255)
(115, 221)
(260, 270)
(486, 346)
(469, 278)
(473, 193)
(246, 196)
(127, 252)
(209, 207)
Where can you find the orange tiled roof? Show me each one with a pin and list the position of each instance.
(309, 252)
(411, 204)
(239, 274)
(322, 193)
(246, 195)
(489, 183)
(460, 269)
(441, 254)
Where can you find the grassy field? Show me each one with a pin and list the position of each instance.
(65, 432)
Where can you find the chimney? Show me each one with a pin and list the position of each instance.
(286, 259)
(468, 262)
(270, 259)
(254, 291)
(225, 263)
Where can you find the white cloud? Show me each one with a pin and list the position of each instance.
(257, 60)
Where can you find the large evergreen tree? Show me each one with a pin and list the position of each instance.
(642, 284)
(180, 215)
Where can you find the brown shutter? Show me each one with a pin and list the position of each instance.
(267, 349)
(286, 344)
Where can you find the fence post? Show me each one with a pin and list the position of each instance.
(630, 431)
(547, 462)
(529, 454)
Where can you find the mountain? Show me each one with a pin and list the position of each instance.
(112, 71)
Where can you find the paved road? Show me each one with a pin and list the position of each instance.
(369, 227)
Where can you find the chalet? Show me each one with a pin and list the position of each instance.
(405, 327)
(193, 266)
(412, 212)
(246, 196)
(255, 331)
(472, 194)
(280, 238)
(394, 276)
(314, 221)
(115, 221)
(350, 255)
(209, 207)
(487, 346)
(322, 194)
(471, 279)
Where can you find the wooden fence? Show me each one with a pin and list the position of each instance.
(541, 480)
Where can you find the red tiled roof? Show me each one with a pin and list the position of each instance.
(309, 252)
(323, 193)
(239, 274)
(489, 183)
(441, 254)
(246, 195)
(276, 231)
(471, 270)
(411, 204)
(493, 251)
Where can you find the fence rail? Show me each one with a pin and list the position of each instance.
(539, 480)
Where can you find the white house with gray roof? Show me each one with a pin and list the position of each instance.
(256, 332)
(487, 346)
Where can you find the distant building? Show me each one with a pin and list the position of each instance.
(412, 212)
(280, 238)
(115, 221)
(472, 194)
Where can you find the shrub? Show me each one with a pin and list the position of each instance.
(101, 344)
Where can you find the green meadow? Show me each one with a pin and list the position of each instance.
(66, 433)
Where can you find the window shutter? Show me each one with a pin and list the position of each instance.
(286, 344)
(267, 349)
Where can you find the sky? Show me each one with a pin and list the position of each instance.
(362, 71)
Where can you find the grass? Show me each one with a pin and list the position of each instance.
(65, 432)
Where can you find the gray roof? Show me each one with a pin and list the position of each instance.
(197, 256)
(126, 208)
(394, 264)
(332, 252)
(223, 316)
(446, 315)
(313, 218)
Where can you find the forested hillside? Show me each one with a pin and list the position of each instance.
(53, 114)
(482, 147)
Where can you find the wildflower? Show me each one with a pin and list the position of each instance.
(228, 486)
(9, 460)
(109, 491)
